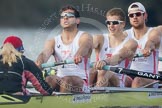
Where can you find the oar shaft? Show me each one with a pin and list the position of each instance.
(133, 72)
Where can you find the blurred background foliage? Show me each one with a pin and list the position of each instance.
(33, 13)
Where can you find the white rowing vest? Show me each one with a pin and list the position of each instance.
(146, 64)
(160, 55)
(67, 52)
(107, 51)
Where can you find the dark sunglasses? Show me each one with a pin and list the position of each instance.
(113, 22)
(67, 15)
(138, 14)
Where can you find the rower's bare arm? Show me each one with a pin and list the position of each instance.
(152, 43)
(127, 52)
(46, 53)
(159, 29)
(85, 45)
(98, 41)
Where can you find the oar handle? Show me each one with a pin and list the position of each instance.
(106, 67)
(52, 64)
(138, 55)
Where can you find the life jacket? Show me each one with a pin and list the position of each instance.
(11, 77)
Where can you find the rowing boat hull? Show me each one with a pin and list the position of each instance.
(95, 100)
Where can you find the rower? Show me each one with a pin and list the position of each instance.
(70, 44)
(114, 48)
(148, 44)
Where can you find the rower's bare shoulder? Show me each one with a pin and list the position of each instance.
(50, 40)
(98, 37)
(50, 43)
(155, 32)
(131, 43)
(98, 40)
(86, 38)
(131, 40)
(159, 28)
(154, 36)
(86, 34)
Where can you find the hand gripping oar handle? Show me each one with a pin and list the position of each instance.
(52, 64)
(141, 55)
(121, 70)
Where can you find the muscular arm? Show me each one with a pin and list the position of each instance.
(152, 43)
(46, 53)
(85, 47)
(159, 29)
(98, 41)
(127, 51)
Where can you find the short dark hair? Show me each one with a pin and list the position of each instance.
(117, 12)
(76, 12)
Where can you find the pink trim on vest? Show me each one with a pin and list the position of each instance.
(154, 59)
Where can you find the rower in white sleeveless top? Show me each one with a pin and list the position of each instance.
(71, 44)
(115, 49)
(140, 63)
(148, 40)
(67, 52)
(107, 51)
